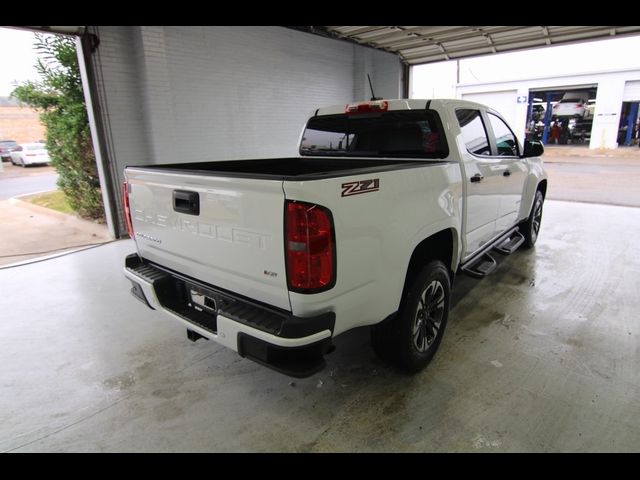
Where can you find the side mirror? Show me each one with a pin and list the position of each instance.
(533, 148)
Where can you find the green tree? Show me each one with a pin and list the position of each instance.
(59, 98)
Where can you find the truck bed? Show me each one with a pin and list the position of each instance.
(296, 168)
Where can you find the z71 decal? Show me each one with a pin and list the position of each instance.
(362, 186)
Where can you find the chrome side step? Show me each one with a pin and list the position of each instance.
(482, 263)
(481, 267)
(511, 244)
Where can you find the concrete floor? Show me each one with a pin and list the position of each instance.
(541, 356)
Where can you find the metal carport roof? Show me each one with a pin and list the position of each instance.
(426, 44)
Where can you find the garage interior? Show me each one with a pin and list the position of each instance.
(574, 127)
(540, 356)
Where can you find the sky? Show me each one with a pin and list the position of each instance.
(438, 79)
(17, 58)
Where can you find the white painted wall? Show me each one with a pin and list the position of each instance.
(505, 102)
(436, 80)
(631, 91)
(606, 117)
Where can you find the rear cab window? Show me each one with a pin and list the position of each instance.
(404, 133)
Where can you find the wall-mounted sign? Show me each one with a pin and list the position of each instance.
(522, 99)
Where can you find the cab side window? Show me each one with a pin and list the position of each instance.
(505, 139)
(474, 133)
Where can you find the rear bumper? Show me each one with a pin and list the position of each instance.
(291, 345)
(35, 161)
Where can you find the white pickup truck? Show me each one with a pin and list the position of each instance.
(386, 203)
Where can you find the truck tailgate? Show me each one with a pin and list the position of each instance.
(232, 240)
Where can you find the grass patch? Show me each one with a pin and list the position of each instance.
(55, 200)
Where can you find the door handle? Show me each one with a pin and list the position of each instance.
(476, 178)
(186, 202)
(506, 173)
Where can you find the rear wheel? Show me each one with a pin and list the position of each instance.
(531, 226)
(412, 338)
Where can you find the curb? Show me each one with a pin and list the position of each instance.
(626, 152)
(61, 253)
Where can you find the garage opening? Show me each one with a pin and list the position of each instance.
(628, 127)
(50, 200)
(561, 116)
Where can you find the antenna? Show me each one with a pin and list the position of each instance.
(373, 95)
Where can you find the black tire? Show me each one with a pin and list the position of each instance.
(530, 228)
(412, 337)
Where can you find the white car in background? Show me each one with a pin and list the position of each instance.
(30, 154)
(573, 104)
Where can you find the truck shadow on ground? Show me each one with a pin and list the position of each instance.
(355, 345)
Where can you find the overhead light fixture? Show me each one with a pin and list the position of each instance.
(537, 99)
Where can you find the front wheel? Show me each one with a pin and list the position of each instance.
(531, 226)
(412, 338)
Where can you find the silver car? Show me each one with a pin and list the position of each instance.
(6, 147)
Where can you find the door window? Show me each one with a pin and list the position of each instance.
(473, 132)
(505, 139)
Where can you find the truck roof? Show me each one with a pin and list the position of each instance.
(395, 104)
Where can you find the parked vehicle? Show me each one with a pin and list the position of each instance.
(580, 130)
(30, 154)
(388, 201)
(6, 147)
(537, 113)
(572, 104)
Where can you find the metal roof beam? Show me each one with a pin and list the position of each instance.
(422, 44)
(514, 42)
(78, 30)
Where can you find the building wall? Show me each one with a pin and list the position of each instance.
(385, 71)
(21, 124)
(190, 94)
(608, 103)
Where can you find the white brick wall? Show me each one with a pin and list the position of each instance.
(189, 94)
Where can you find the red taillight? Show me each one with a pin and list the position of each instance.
(310, 247)
(365, 107)
(127, 209)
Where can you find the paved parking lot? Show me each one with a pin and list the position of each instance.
(599, 183)
(28, 231)
(578, 174)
